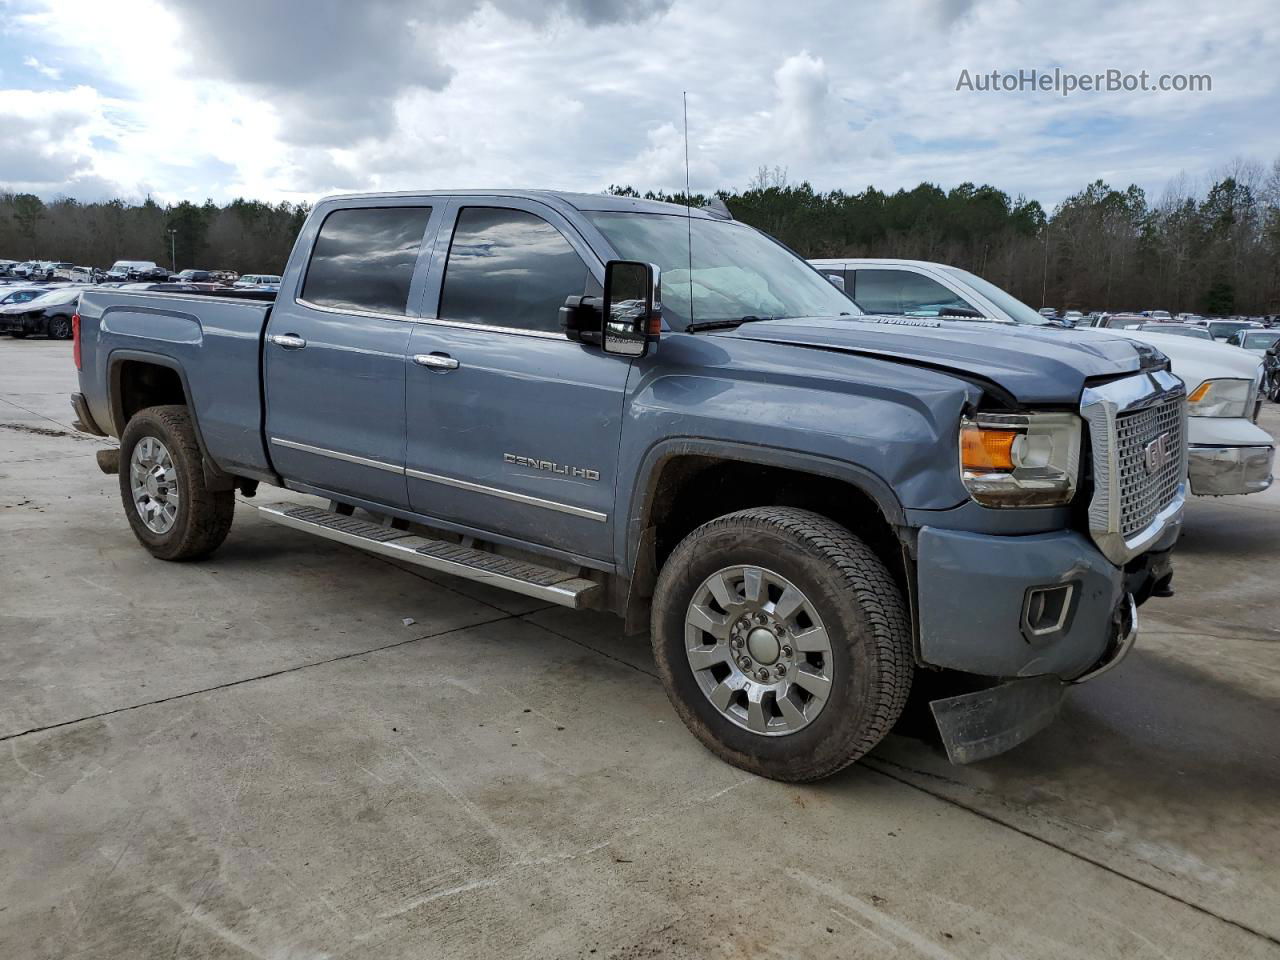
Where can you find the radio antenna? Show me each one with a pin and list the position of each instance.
(688, 199)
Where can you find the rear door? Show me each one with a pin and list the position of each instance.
(513, 429)
(334, 358)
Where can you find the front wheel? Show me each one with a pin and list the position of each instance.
(172, 513)
(783, 642)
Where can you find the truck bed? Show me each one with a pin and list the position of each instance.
(214, 343)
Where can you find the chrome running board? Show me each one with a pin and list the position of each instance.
(518, 576)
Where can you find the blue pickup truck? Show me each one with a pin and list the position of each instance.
(619, 404)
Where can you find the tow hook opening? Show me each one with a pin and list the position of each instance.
(1046, 610)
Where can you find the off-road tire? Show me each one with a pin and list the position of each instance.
(204, 516)
(859, 603)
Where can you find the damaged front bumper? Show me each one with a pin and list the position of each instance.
(981, 724)
(1016, 620)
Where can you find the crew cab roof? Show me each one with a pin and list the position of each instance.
(593, 202)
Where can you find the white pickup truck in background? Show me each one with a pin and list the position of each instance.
(1229, 452)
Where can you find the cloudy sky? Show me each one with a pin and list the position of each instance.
(293, 99)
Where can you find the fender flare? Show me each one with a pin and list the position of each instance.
(215, 478)
(643, 491)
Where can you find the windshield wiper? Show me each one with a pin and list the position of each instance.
(726, 323)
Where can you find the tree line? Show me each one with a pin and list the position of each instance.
(246, 236)
(1214, 249)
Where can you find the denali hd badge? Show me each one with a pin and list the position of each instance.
(581, 473)
(1157, 453)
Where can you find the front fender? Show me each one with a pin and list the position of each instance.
(887, 428)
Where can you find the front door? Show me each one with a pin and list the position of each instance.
(513, 429)
(335, 354)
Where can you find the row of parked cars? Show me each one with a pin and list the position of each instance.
(1224, 364)
(38, 297)
(127, 271)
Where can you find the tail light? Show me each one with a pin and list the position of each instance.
(75, 338)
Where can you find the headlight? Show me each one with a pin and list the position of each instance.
(1022, 460)
(1220, 398)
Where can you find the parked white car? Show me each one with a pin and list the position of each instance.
(1256, 341)
(1229, 452)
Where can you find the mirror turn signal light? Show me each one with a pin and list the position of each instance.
(983, 450)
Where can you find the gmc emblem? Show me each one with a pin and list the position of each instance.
(1157, 453)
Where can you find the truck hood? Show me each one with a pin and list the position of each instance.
(1037, 365)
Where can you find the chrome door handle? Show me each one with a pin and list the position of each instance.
(436, 361)
(290, 341)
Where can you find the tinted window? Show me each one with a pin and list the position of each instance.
(903, 292)
(364, 259)
(1222, 330)
(508, 268)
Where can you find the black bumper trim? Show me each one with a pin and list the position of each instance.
(84, 419)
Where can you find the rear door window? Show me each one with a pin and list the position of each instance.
(363, 259)
(902, 292)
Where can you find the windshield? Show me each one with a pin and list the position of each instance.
(56, 296)
(737, 271)
(1227, 328)
(1018, 311)
(1260, 341)
(1177, 330)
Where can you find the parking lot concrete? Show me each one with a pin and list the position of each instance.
(296, 750)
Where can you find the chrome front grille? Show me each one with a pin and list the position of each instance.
(1144, 493)
(1138, 438)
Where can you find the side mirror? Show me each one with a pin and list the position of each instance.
(632, 307)
(580, 319)
(836, 280)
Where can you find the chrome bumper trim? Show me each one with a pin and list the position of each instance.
(1122, 648)
(1223, 471)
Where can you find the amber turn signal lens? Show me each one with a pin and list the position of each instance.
(1199, 393)
(983, 450)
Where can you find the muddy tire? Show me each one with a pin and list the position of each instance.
(783, 642)
(172, 513)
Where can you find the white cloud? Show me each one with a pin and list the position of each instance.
(180, 98)
(53, 73)
(46, 135)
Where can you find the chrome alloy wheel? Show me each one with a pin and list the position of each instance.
(154, 484)
(758, 650)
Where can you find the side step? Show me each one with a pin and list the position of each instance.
(529, 579)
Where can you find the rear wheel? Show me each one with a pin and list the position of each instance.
(172, 513)
(60, 328)
(782, 641)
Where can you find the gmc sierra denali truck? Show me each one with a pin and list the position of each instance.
(620, 404)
